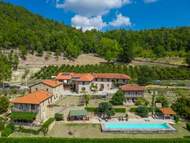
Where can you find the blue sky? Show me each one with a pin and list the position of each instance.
(112, 14)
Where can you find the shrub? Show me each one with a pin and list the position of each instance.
(91, 109)
(133, 109)
(119, 110)
(9, 129)
(46, 125)
(28, 130)
(4, 104)
(188, 126)
(176, 118)
(118, 98)
(141, 101)
(142, 111)
(2, 123)
(94, 109)
(58, 117)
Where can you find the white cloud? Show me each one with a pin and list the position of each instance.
(91, 7)
(88, 13)
(121, 21)
(150, 1)
(86, 23)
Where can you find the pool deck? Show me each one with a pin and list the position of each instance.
(138, 130)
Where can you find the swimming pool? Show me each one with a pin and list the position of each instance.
(136, 127)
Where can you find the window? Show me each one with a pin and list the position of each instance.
(47, 89)
(32, 107)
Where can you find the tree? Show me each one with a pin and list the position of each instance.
(163, 100)
(109, 49)
(118, 98)
(141, 101)
(87, 98)
(5, 68)
(105, 110)
(145, 76)
(4, 104)
(23, 51)
(159, 51)
(142, 111)
(188, 59)
(182, 106)
(127, 54)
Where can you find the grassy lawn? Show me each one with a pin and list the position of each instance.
(93, 131)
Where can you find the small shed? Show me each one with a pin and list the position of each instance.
(80, 114)
(167, 113)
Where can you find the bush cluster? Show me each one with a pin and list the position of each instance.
(119, 110)
(58, 117)
(116, 109)
(46, 124)
(188, 126)
(9, 129)
(91, 109)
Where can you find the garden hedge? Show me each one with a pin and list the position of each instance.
(77, 140)
(119, 110)
(91, 109)
(23, 116)
(116, 109)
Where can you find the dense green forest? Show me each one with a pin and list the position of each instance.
(140, 74)
(20, 29)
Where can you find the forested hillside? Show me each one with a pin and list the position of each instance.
(28, 32)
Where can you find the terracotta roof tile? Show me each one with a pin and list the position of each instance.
(33, 98)
(63, 76)
(51, 83)
(132, 87)
(111, 76)
(83, 76)
(90, 77)
(167, 111)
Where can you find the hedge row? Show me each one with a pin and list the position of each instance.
(28, 130)
(77, 140)
(44, 128)
(91, 109)
(117, 110)
(23, 116)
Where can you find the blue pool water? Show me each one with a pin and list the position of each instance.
(116, 125)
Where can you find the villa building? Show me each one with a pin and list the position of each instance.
(47, 92)
(35, 102)
(86, 82)
(52, 86)
(132, 91)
